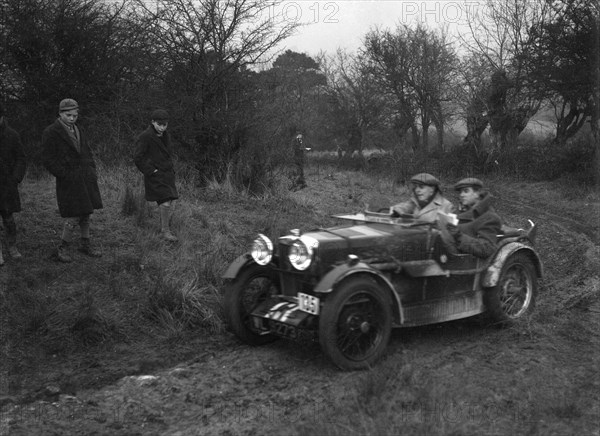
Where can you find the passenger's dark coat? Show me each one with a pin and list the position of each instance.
(153, 152)
(479, 227)
(12, 169)
(77, 191)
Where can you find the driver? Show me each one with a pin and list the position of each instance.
(478, 223)
(426, 200)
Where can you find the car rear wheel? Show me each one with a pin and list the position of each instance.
(243, 294)
(514, 295)
(355, 323)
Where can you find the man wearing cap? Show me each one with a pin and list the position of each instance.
(67, 155)
(153, 157)
(297, 174)
(426, 199)
(12, 171)
(478, 223)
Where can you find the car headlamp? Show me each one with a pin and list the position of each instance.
(262, 250)
(301, 252)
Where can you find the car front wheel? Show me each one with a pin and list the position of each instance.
(355, 323)
(252, 286)
(514, 295)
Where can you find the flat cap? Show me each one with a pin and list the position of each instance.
(469, 181)
(67, 104)
(160, 114)
(425, 179)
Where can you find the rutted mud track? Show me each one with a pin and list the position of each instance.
(538, 378)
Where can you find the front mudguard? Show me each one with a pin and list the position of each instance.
(492, 274)
(237, 265)
(328, 283)
(242, 262)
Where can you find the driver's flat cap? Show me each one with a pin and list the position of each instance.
(469, 181)
(67, 104)
(424, 179)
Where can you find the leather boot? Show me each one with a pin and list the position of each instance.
(89, 249)
(64, 253)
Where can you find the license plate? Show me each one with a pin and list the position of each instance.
(308, 303)
(284, 330)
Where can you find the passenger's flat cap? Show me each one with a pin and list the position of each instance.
(469, 181)
(160, 114)
(425, 179)
(67, 104)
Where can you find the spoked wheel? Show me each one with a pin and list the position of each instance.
(355, 324)
(514, 295)
(251, 287)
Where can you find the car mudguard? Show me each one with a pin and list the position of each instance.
(492, 274)
(237, 265)
(336, 275)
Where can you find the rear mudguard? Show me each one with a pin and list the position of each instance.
(341, 272)
(492, 274)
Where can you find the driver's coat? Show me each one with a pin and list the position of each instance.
(427, 213)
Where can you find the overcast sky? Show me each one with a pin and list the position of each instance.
(343, 23)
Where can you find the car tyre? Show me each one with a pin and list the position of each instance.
(515, 294)
(356, 323)
(252, 286)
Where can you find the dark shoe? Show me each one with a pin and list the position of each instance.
(14, 252)
(63, 254)
(89, 249)
(168, 236)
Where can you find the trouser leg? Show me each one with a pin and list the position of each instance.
(166, 212)
(8, 220)
(84, 225)
(67, 232)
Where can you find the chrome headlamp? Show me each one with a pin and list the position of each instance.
(262, 250)
(301, 252)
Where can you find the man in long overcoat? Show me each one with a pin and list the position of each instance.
(12, 171)
(67, 155)
(478, 223)
(154, 158)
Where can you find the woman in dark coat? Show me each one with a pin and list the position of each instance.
(68, 157)
(153, 157)
(12, 171)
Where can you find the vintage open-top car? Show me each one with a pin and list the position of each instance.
(353, 283)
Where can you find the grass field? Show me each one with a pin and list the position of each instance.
(147, 306)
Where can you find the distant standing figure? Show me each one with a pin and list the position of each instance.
(154, 158)
(298, 168)
(67, 155)
(12, 171)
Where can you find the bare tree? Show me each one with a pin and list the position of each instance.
(564, 61)
(205, 48)
(499, 32)
(355, 98)
(415, 66)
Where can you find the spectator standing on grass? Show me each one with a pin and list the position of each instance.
(478, 223)
(298, 181)
(154, 158)
(67, 155)
(12, 171)
(426, 199)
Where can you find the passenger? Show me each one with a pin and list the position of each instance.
(67, 155)
(12, 171)
(154, 158)
(426, 201)
(478, 223)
